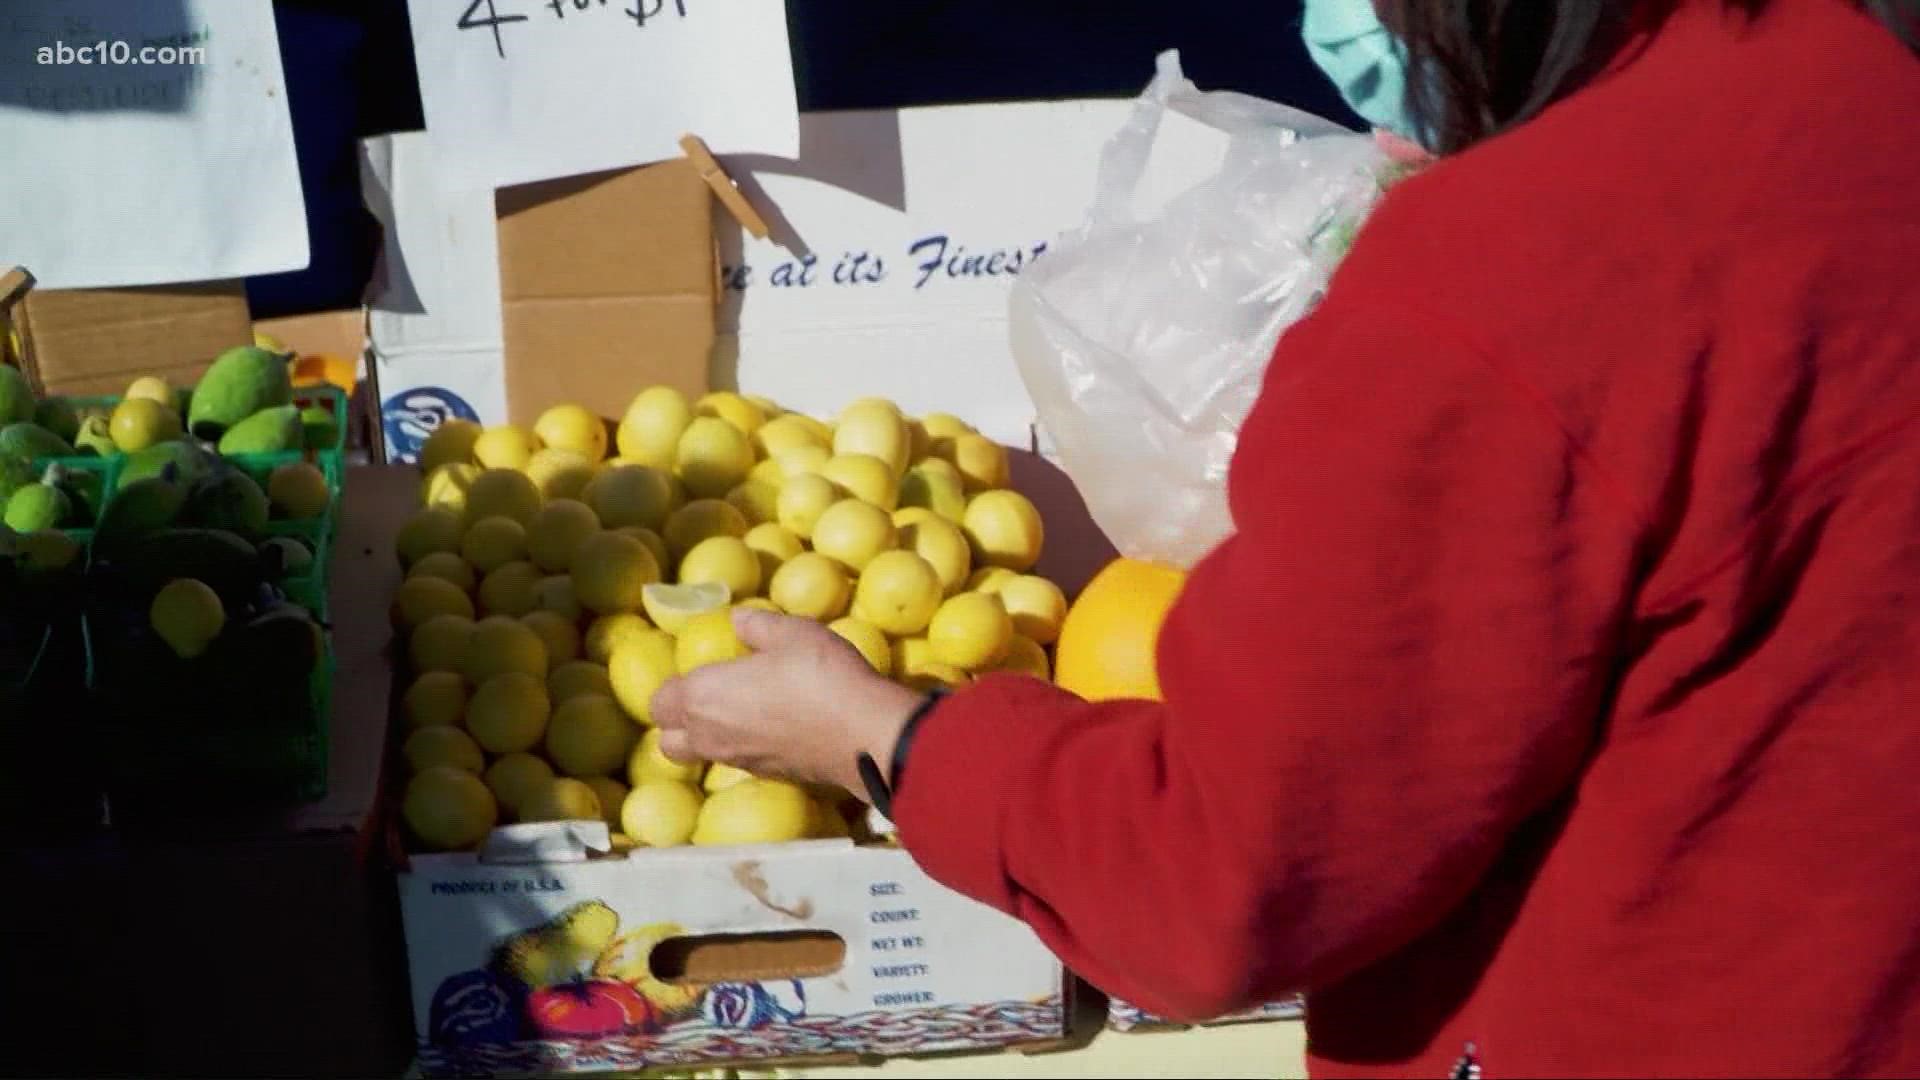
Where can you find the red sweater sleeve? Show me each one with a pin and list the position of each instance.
(1400, 655)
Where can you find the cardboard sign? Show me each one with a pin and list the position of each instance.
(524, 90)
(147, 144)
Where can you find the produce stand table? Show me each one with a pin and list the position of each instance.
(262, 943)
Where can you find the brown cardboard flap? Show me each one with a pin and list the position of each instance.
(609, 284)
(96, 341)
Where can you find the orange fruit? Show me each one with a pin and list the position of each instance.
(1107, 642)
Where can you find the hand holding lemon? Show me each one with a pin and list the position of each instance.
(830, 705)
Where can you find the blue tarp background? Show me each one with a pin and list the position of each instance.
(350, 73)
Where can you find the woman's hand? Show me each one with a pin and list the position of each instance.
(803, 707)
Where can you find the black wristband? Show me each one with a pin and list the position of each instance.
(881, 788)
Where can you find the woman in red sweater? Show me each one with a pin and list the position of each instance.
(1558, 694)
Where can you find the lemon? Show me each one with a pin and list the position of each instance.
(767, 472)
(440, 644)
(138, 423)
(433, 529)
(801, 502)
(448, 809)
(631, 495)
(754, 812)
(557, 531)
(852, 532)
(555, 593)
(442, 745)
(612, 796)
(945, 548)
(1004, 530)
(726, 405)
(990, 579)
(812, 586)
(187, 615)
(935, 675)
(561, 799)
(864, 477)
(508, 713)
(911, 656)
(650, 431)
(654, 544)
(446, 566)
(421, 598)
(607, 632)
(897, 592)
(701, 519)
(560, 474)
(1037, 606)
(760, 603)
(558, 633)
(436, 699)
(298, 491)
(504, 446)
(509, 590)
(757, 501)
(648, 763)
(609, 572)
(912, 515)
(724, 560)
(573, 428)
(712, 457)
(589, 736)
(877, 429)
(867, 638)
(448, 486)
(577, 677)
(919, 443)
(661, 812)
(493, 542)
(944, 426)
(513, 779)
(935, 485)
(822, 430)
(721, 776)
(827, 822)
(450, 444)
(801, 460)
(500, 644)
(970, 631)
(153, 388)
(785, 433)
(1026, 656)
(707, 638)
(638, 668)
(502, 493)
(774, 544)
(981, 461)
(769, 407)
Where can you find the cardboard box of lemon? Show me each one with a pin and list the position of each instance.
(574, 899)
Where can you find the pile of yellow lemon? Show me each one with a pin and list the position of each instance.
(551, 588)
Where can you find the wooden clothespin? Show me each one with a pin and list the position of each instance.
(723, 187)
(14, 286)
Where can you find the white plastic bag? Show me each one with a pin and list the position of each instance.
(1143, 341)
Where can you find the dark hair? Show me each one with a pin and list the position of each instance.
(1478, 67)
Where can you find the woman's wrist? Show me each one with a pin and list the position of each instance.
(877, 724)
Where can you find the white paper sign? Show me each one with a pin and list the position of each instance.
(146, 143)
(523, 90)
(897, 239)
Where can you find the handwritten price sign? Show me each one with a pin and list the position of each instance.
(522, 90)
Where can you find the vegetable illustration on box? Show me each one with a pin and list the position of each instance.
(577, 977)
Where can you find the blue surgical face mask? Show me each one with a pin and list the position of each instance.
(1347, 41)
